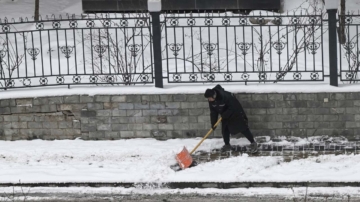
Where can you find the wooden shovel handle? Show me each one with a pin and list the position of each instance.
(217, 123)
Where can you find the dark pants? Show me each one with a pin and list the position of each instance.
(247, 133)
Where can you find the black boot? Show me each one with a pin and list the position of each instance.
(253, 147)
(226, 148)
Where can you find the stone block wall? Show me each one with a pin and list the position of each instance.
(111, 117)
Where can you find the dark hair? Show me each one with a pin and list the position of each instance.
(209, 93)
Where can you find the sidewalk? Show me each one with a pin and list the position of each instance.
(146, 162)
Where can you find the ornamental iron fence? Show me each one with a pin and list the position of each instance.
(349, 50)
(88, 50)
(239, 48)
(127, 49)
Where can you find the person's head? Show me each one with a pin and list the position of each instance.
(210, 95)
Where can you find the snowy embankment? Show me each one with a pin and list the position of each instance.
(149, 160)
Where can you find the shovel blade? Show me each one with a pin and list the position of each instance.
(184, 158)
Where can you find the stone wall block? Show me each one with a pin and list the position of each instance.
(166, 126)
(133, 98)
(150, 112)
(142, 119)
(150, 98)
(257, 111)
(118, 98)
(5, 110)
(102, 98)
(35, 125)
(65, 124)
(181, 112)
(126, 106)
(347, 117)
(331, 117)
(290, 111)
(131, 112)
(190, 133)
(157, 105)
(179, 97)
(337, 96)
(291, 125)
(141, 106)
(321, 124)
(86, 99)
(263, 104)
(306, 96)
(26, 118)
(255, 97)
(165, 112)
(306, 125)
(345, 103)
(119, 127)
(196, 98)
(24, 102)
(352, 110)
(48, 108)
(8, 103)
(243, 97)
(11, 118)
(290, 96)
(106, 113)
(150, 127)
(50, 125)
(96, 135)
(172, 105)
(73, 99)
(18, 125)
(143, 134)
(166, 98)
(196, 112)
(127, 134)
(88, 113)
(275, 125)
(95, 106)
(313, 103)
(158, 134)
(204, 105)
(117, 112)
(55, 100)
(275, 97)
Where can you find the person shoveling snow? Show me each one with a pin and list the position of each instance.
(234, 119)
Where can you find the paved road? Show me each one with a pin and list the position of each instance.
(82, 197)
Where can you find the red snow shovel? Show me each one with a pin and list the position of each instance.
(184, 158)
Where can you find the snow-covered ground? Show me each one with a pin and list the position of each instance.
(149, 160)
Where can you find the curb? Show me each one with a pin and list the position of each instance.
(183, 185)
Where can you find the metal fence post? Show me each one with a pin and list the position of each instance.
(154, 7)
(332, 11)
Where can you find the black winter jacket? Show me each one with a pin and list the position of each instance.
(230, 109)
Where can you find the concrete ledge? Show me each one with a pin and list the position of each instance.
(183, 185)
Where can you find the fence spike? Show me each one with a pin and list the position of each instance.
(53, 16)
(40, 17)
(60, 16)
(12, 20)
